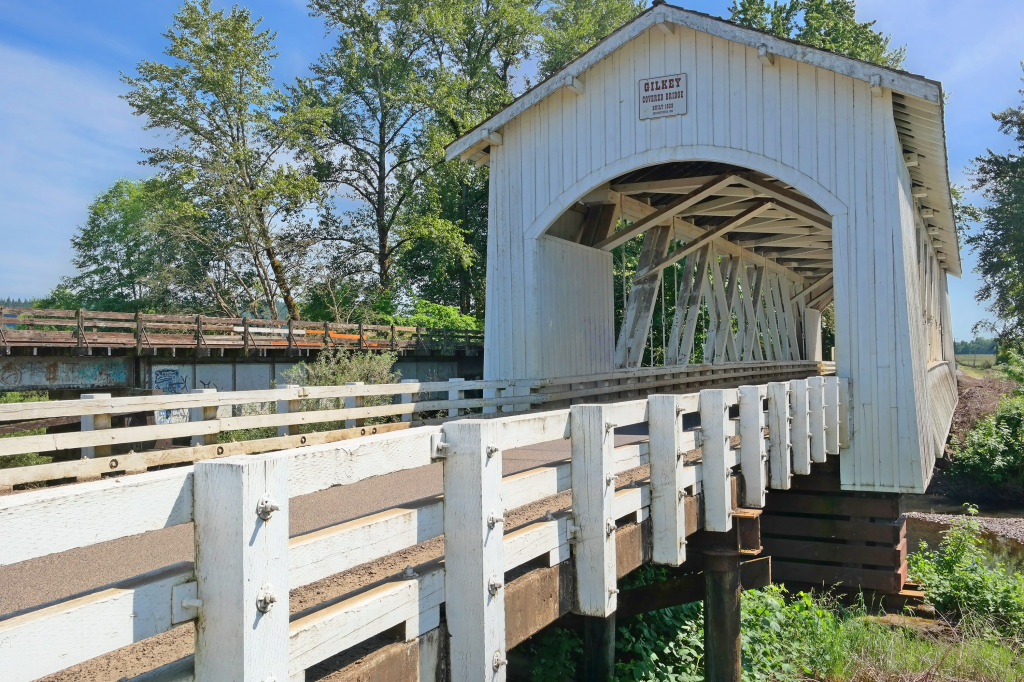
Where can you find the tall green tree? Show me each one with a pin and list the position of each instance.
(231, 127)
(474, 51)
(571, 27)
(828, 24)
(124, 261)
(998, 240)
(375, 89)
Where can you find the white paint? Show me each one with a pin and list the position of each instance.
(593, 496)
(714, 416)
(753, 454)
(473, 532)
(668, 515)
(239, 558)
(780, 465)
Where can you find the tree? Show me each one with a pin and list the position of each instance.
(571, 27)
(829, 24)
(373, 87)
(124, 261)
(231, 127)
(474, 49)
(999, 240)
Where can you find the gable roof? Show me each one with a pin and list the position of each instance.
(918, 112)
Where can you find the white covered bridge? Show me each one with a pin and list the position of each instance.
(779, 178)
(739, 184)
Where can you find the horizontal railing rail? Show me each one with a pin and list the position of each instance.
(23, 327)
(246, 563)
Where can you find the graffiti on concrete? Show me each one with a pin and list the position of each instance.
(30, 373)
(170, 381)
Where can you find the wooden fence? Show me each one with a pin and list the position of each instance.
(86, 330)
(120, 435)
(237, 590)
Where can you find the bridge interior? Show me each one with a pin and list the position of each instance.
(748, 260)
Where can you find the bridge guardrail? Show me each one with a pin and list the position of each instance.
(246, 564)
(84, 330)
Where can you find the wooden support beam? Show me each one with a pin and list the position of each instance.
(668, 186)
(707, 238)
(665, 213)
(629, 348)
(779, 463)
(789, 199)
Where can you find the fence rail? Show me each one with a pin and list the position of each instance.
(85, 330)
(238, 587)
(111, 441)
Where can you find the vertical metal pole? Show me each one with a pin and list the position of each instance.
(722, 616)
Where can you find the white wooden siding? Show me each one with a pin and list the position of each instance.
(822, 132)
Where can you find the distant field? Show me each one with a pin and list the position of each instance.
(977, 360)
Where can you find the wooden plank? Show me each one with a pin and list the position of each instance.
(320, 467)
(593, 496)
(714, 415)
(473, 530)
(241, 527)
(327, 551)
(668, 514)
(66, 408)
(816, 417)
(839, 553)
(779, 457)
(136, 462)
(831, 408)
(885, 581)
(800, 433)
(316, 635)
(853, 531)
(753, 454)
(887, 507)
(51, 638)
(92, 512)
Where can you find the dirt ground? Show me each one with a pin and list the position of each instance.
(978, 398)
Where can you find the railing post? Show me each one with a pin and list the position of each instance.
(816, 417)
(287, 407)
(780, 465)
(473, 533)
(241, 537)
(753, 456)
(800, 432)
(407, 398)
(352, 402)
(714, 416)
(668, 517)
(454, 394)
(95, 422)
(593, 499)
(204, 413)
(832, 415)
(490, 393)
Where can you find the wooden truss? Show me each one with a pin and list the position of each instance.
(760, 258)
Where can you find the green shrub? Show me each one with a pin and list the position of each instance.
(991, 456)
(434, 315)
(962, 580)
(30, 458)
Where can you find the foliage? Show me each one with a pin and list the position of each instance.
(785, 637)
(125, 260)
(990, 460)
(828, 24)
(30, 458)
(427, 314)
(230, 127)
(998, 241)
(976, 346)
(1013, 368)
(960, 579)
(337, 366)
(571, 27)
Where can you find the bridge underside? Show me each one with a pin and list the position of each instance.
(738, 264)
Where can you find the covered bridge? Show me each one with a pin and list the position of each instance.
(773, 179)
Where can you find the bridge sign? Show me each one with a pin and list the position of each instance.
(664, 96)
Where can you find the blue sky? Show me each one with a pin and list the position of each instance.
(65, 136)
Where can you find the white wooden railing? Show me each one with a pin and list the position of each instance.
(246, 563)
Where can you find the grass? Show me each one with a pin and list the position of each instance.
(29, 458)
(976, 360)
